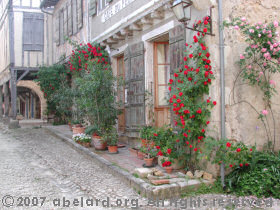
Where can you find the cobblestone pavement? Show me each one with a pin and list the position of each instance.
(34, 164)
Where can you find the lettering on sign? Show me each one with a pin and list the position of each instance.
(114, 9)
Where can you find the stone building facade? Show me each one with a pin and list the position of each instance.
(146, 43)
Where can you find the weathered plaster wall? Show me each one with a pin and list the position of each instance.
(241, 119)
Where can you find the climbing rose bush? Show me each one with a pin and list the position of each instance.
(189, 87)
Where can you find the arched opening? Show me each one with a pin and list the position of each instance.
(31, 103)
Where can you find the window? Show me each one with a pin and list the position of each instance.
(33, 31)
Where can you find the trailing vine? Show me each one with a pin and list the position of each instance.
(258, 64)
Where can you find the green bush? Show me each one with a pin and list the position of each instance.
(261, 178)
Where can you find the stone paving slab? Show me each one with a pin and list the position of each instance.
(123, 164)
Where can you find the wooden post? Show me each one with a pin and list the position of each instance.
(14, 93)
(6, 99)
(1, 101)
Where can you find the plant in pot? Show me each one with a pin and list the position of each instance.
(111, 137)
(77, 126)
(82, 139)
(151, 153)
(141, 153)
(146, 134)
(167, 158)
(98, 142)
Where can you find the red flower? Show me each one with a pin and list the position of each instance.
(175, 75)
(179, 100)
(230, 166)
(174, 96)
(180, 94)
(187, 142)
(186, 135)
(214, 102)
(159, 153)
(178, 140)
(207, 54)
(190, 79)
(251, 149)
(169, 88)
(246, 164)
(205, 30)
(195, 149)
(208, 101)
(205, 22)
(199, 111)
(202, 130)
(190, 55)
(207, 122)
(186, 111)
(170, 100)
(158, 147)
(205, 83)
(168, 151)
(206, 74)
(238, 150)
(185, 58)
(228, 144)
(191, 146)
(174, 104)
(171, 81)
(155, 134)
(241, 165)
(195, 39)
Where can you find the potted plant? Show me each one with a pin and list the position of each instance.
(82, 139)
(141, 153)
(77, 127)
(111, 137)
(98, 142)
(146, 134)
(151, 153)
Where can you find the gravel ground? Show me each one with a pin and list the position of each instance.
(39, 171)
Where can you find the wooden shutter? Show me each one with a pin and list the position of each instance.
(135, 86)
(69, 17)
(74, 16)
(56, 29)
(92, 7)
(65, 22)
(33, 31)
(80, 14)
(177, 37)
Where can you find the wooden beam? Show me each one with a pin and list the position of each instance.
(23, 75)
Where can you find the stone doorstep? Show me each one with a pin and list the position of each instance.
(164, 191)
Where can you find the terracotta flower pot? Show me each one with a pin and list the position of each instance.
(133, 151)
(86, 144)
(168, 169)
(113, 149)
(77, 130)
(149, 161)
(70, 126)
(176, 165)
(140, 155)
(99, 144)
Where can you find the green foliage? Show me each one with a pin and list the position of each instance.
(110, 135)
(93, 130)
(215, 188)
(262, 178)
(80, 137)
(55, 82)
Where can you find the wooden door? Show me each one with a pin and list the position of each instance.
(134, 88)
(162, 76)
(121, 96)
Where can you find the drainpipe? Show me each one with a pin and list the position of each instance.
(222, 66)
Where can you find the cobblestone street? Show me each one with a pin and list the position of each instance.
(34, 164)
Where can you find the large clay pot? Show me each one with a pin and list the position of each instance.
(98, 143)
(149, 162)
(176, 165)
(133, 151)
(113, 149)
(77, 130)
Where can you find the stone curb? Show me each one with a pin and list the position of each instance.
(172, 190)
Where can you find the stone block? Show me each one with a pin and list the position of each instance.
(207, 176)
(198, 174)
(158, 173)
(160, 181)
(13, 124)
(143, 172)
(190, 174)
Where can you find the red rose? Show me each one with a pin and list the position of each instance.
(205, 30)
(246, 164)
(228, 144)
(186, 135)
(191, 146)
(214, 102)
(169, 88)
(180, 94)
(205, 83)
(207, 122)
(159, 153)
(199, 111)
(238, 150)
(230, 166)
(207, 55)
(190, 55)
(205, 22)
(174, 104)
(179, 100)
(155, 134)
(241, 165)
(185, 58)
(158, 147)
(168, 151)
(251, 149)
(174, 96)
(206, 74)
(195, 149)
(178, 140)
(171, 81)
(202, 130)
(170, 100)
(175, 75)
(190, 79)
(187, 142)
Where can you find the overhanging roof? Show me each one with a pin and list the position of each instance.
(48, 3)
